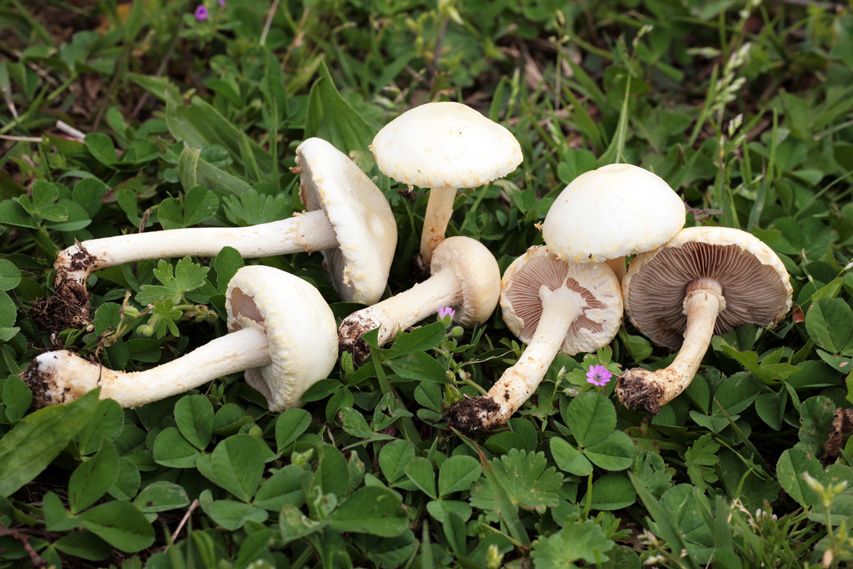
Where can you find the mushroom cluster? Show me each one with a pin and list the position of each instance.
(683, 285)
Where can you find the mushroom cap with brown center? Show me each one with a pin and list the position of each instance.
(595, 283)
(299, 326)
(616, 210)
(478, 275)
(445, 145)
(360, 215)
(754, 282)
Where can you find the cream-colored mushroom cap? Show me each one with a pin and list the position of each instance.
(445, 145)
(299, 326)
(755, 285)
(477, 272)
(595, 284)
(616, 210)
(359, 214)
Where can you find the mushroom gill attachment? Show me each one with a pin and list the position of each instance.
(705, 281)
(553, 306)
(283, 336)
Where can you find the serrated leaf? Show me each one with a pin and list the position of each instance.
(700, 458)
(574, 542)
(527, 479)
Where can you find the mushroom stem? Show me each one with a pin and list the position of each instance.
(61, 376)
(438, 212)
(309, 231)
(640, 387)
(399, 311)
(560, 308)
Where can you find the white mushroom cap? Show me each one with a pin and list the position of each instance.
(754, 282)
(359, 214)
(597, 288)
(445, 145)
(478, 275)
(300, 328)
(616, 210)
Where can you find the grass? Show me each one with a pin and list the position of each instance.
(118, 117)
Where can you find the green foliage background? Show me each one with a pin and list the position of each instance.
(745, 108)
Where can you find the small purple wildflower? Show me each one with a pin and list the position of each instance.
(598, 375)
(201, 13)
(221, 3)
(446, 311)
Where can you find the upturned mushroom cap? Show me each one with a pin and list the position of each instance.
(360, 216)
(616, 210)
(595, 283)
(299, 325)
(754, 282)
(445, 145)
(478, 274)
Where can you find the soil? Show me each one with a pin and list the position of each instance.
(841, 425)
(468, 415)
(634, 391)
(67, 308)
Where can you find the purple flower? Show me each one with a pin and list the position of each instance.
(598, 375)
(221, 3)
(201, 13)
(446, 311)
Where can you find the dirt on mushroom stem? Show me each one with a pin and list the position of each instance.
(469, 415)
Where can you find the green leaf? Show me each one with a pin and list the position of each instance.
(527, 479)
(161, 496)
(770, 373)
(371, 509)
(10, 276)
(421, 473)
(575, 542)
(331, 118)
(591, 417)
(700, 458)
(283, 487)
(423, 338)
(12, 214)
(226, 264)
(611, 492)
(614, 452)
(418, 366)
(790, 468)
(195, 171)
(817, 414)
(171, 449)
(457, 473)
(102, 148)
(829, 322)
(34, 442)
(238, 465)
(354, 423)
(16, 398)
(84, 545)
(93, 478)
(393, 459)
(232, 514)
(289, 426)
(568, 458)
(120, 524)
(293, 524)
(194, 416)
(176, 280)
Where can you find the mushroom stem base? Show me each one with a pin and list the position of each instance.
(438, 212)
(651, 390)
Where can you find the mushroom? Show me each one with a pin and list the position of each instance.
(348, 220)
(611, 212)
(705, 280)
(552, 306)
(464, 276)
(281, 333)
(444, 146)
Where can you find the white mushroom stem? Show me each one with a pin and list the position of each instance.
(560, 308)
(400, 311)
(309, 231)
(438, 212)
(702, 305)
(61, 376)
